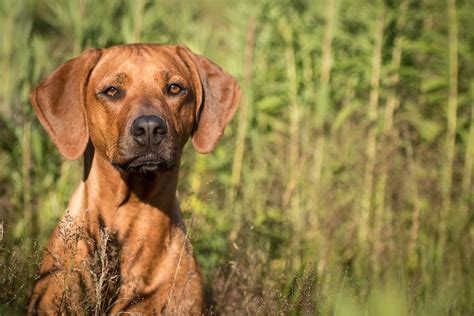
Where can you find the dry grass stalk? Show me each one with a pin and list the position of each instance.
(365, 209)
(450, 149)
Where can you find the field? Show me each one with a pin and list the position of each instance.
(345, 182)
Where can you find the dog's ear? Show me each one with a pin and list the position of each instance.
(217, 97)
(59, 104)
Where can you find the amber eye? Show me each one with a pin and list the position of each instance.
(111, 92)
(174, 89)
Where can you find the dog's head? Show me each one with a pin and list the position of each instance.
(138, 104)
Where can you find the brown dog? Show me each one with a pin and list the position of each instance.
(121, 246)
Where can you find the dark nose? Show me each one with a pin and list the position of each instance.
(149, 130)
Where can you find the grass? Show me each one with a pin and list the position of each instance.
(343, 185)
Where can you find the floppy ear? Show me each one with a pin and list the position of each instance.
(217, 97)
(59, 104)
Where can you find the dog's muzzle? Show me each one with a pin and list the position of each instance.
(149, 152)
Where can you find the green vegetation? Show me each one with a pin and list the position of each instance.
(344, 185)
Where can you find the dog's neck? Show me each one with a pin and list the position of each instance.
(104, 183)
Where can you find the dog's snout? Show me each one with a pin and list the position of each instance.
(149, 129)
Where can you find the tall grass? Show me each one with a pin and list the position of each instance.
(344, 185)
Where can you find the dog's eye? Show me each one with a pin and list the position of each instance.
(175, 89)
(111, 92)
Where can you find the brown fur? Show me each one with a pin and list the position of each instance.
(122, 246)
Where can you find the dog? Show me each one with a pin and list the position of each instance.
(129, 110)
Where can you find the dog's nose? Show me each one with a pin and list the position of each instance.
(149, 130)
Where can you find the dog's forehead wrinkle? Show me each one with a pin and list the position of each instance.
(154, 63)
(120, 77)
(164, 73)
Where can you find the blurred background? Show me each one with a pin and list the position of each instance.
(343, 186)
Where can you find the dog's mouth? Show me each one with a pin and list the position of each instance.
(144, 164)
